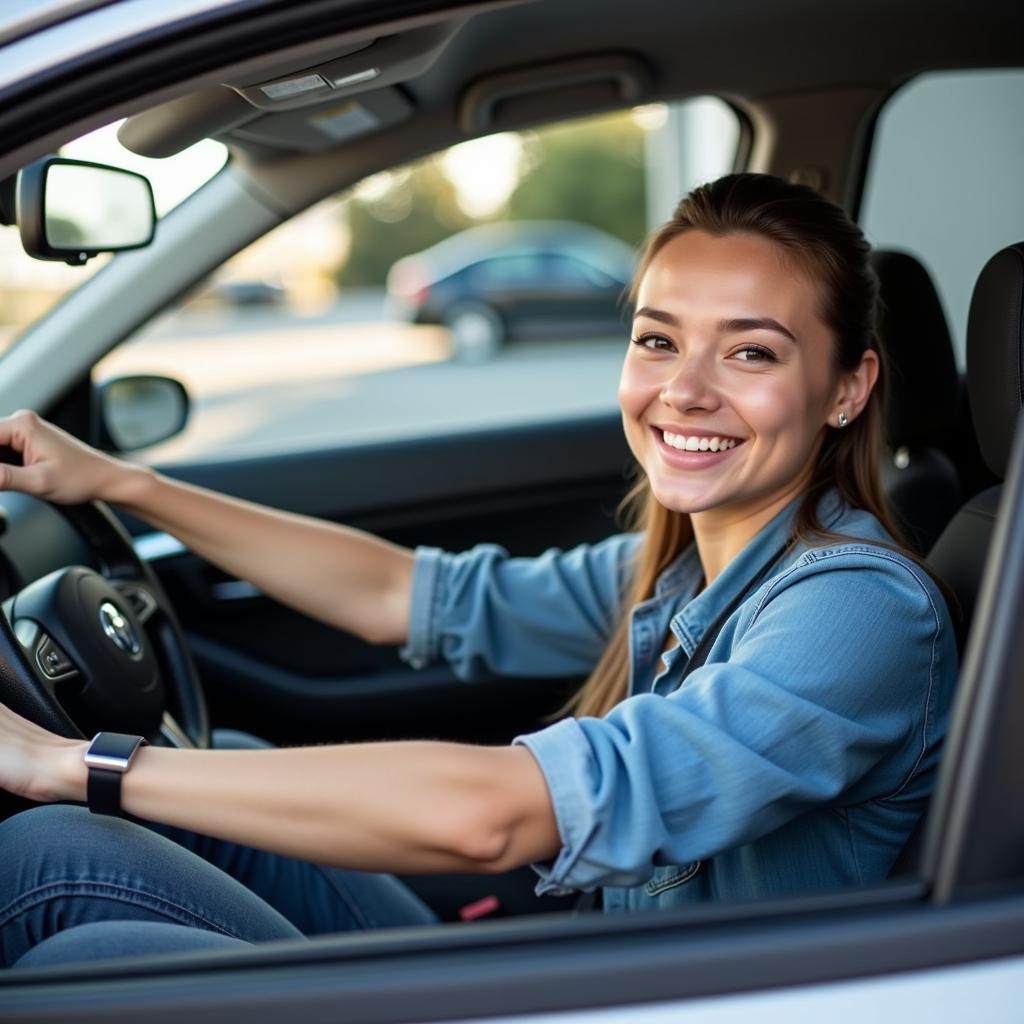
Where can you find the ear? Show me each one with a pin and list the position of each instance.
(854, 389)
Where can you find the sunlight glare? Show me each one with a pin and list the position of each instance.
(484, 172)
(651, 116)
(376, 186)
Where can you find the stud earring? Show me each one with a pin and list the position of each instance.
(842, 420)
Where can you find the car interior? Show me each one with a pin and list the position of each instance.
(313, 98)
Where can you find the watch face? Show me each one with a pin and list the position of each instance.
(112, 750)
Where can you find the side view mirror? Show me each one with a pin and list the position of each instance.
(71, 210)
(135, 412)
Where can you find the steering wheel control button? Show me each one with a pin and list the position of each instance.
(120, 631)
(52, 660)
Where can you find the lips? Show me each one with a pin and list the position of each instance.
(694, 450)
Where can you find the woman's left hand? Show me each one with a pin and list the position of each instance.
(39, 765)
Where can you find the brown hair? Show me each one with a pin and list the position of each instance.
(817, 236)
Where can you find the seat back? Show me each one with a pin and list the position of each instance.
(919, 477)
(995, 383)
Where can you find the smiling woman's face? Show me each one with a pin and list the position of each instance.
(730, 357)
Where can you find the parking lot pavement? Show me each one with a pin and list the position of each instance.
(292, 384)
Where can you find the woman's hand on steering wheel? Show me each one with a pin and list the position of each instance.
(55, 466)
(118, 659)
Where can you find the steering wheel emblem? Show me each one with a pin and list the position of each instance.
(119, 629)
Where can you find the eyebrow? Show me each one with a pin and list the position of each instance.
(758, 323)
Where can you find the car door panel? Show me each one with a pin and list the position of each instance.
(284, 676)
(755, 961)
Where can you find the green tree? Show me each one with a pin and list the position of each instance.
(417, 210)
(591, 171)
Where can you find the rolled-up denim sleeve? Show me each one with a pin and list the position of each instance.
(827, 697)
(486, 613)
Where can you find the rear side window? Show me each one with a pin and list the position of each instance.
(944, 181)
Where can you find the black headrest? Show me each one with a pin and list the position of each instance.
(923, 381)
(995, 354)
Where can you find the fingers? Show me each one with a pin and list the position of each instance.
(19, 455)
(42, 460)
(21, 478)
(16, 429)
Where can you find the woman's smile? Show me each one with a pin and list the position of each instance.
(694, 449)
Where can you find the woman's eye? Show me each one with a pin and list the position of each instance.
(755, 354)
(653, 342)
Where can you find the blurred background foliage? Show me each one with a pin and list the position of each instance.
(589, 171)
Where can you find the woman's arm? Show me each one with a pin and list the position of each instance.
(339, 575)
(413, 807)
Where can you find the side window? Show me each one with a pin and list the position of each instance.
(479, 287)
(944, 179)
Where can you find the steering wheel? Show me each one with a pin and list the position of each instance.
(82, 651)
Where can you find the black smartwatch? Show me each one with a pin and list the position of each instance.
(109, 756)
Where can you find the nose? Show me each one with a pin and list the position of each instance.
(689, 386)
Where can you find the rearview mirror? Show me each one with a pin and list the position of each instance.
(135, 412)
(71, 210)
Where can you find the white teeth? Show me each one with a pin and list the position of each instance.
(698, 444)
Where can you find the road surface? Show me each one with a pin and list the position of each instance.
(266, 380)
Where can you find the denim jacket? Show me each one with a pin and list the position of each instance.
(796, 759)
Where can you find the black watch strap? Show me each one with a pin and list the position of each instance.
(109, 756)
(104, 791)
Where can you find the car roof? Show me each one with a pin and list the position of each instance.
(488, 67)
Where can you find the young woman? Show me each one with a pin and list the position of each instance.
(769, 672)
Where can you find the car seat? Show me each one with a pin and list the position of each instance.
(995, 384)
(918, 476)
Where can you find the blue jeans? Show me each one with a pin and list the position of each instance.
(78, 886)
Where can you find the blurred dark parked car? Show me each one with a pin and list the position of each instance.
(244, 294)
(514, 280)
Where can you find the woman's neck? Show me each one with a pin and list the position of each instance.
(722, 533)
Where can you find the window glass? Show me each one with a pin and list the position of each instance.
(943, 183)
(479, 287)
(568, 270)
(522, 270)
(29, 288)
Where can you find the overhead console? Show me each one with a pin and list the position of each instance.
(334, 94)
(358, 68)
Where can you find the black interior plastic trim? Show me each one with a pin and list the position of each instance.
(422, 470)
(300, 686)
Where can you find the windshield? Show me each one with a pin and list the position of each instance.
(30, 288)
